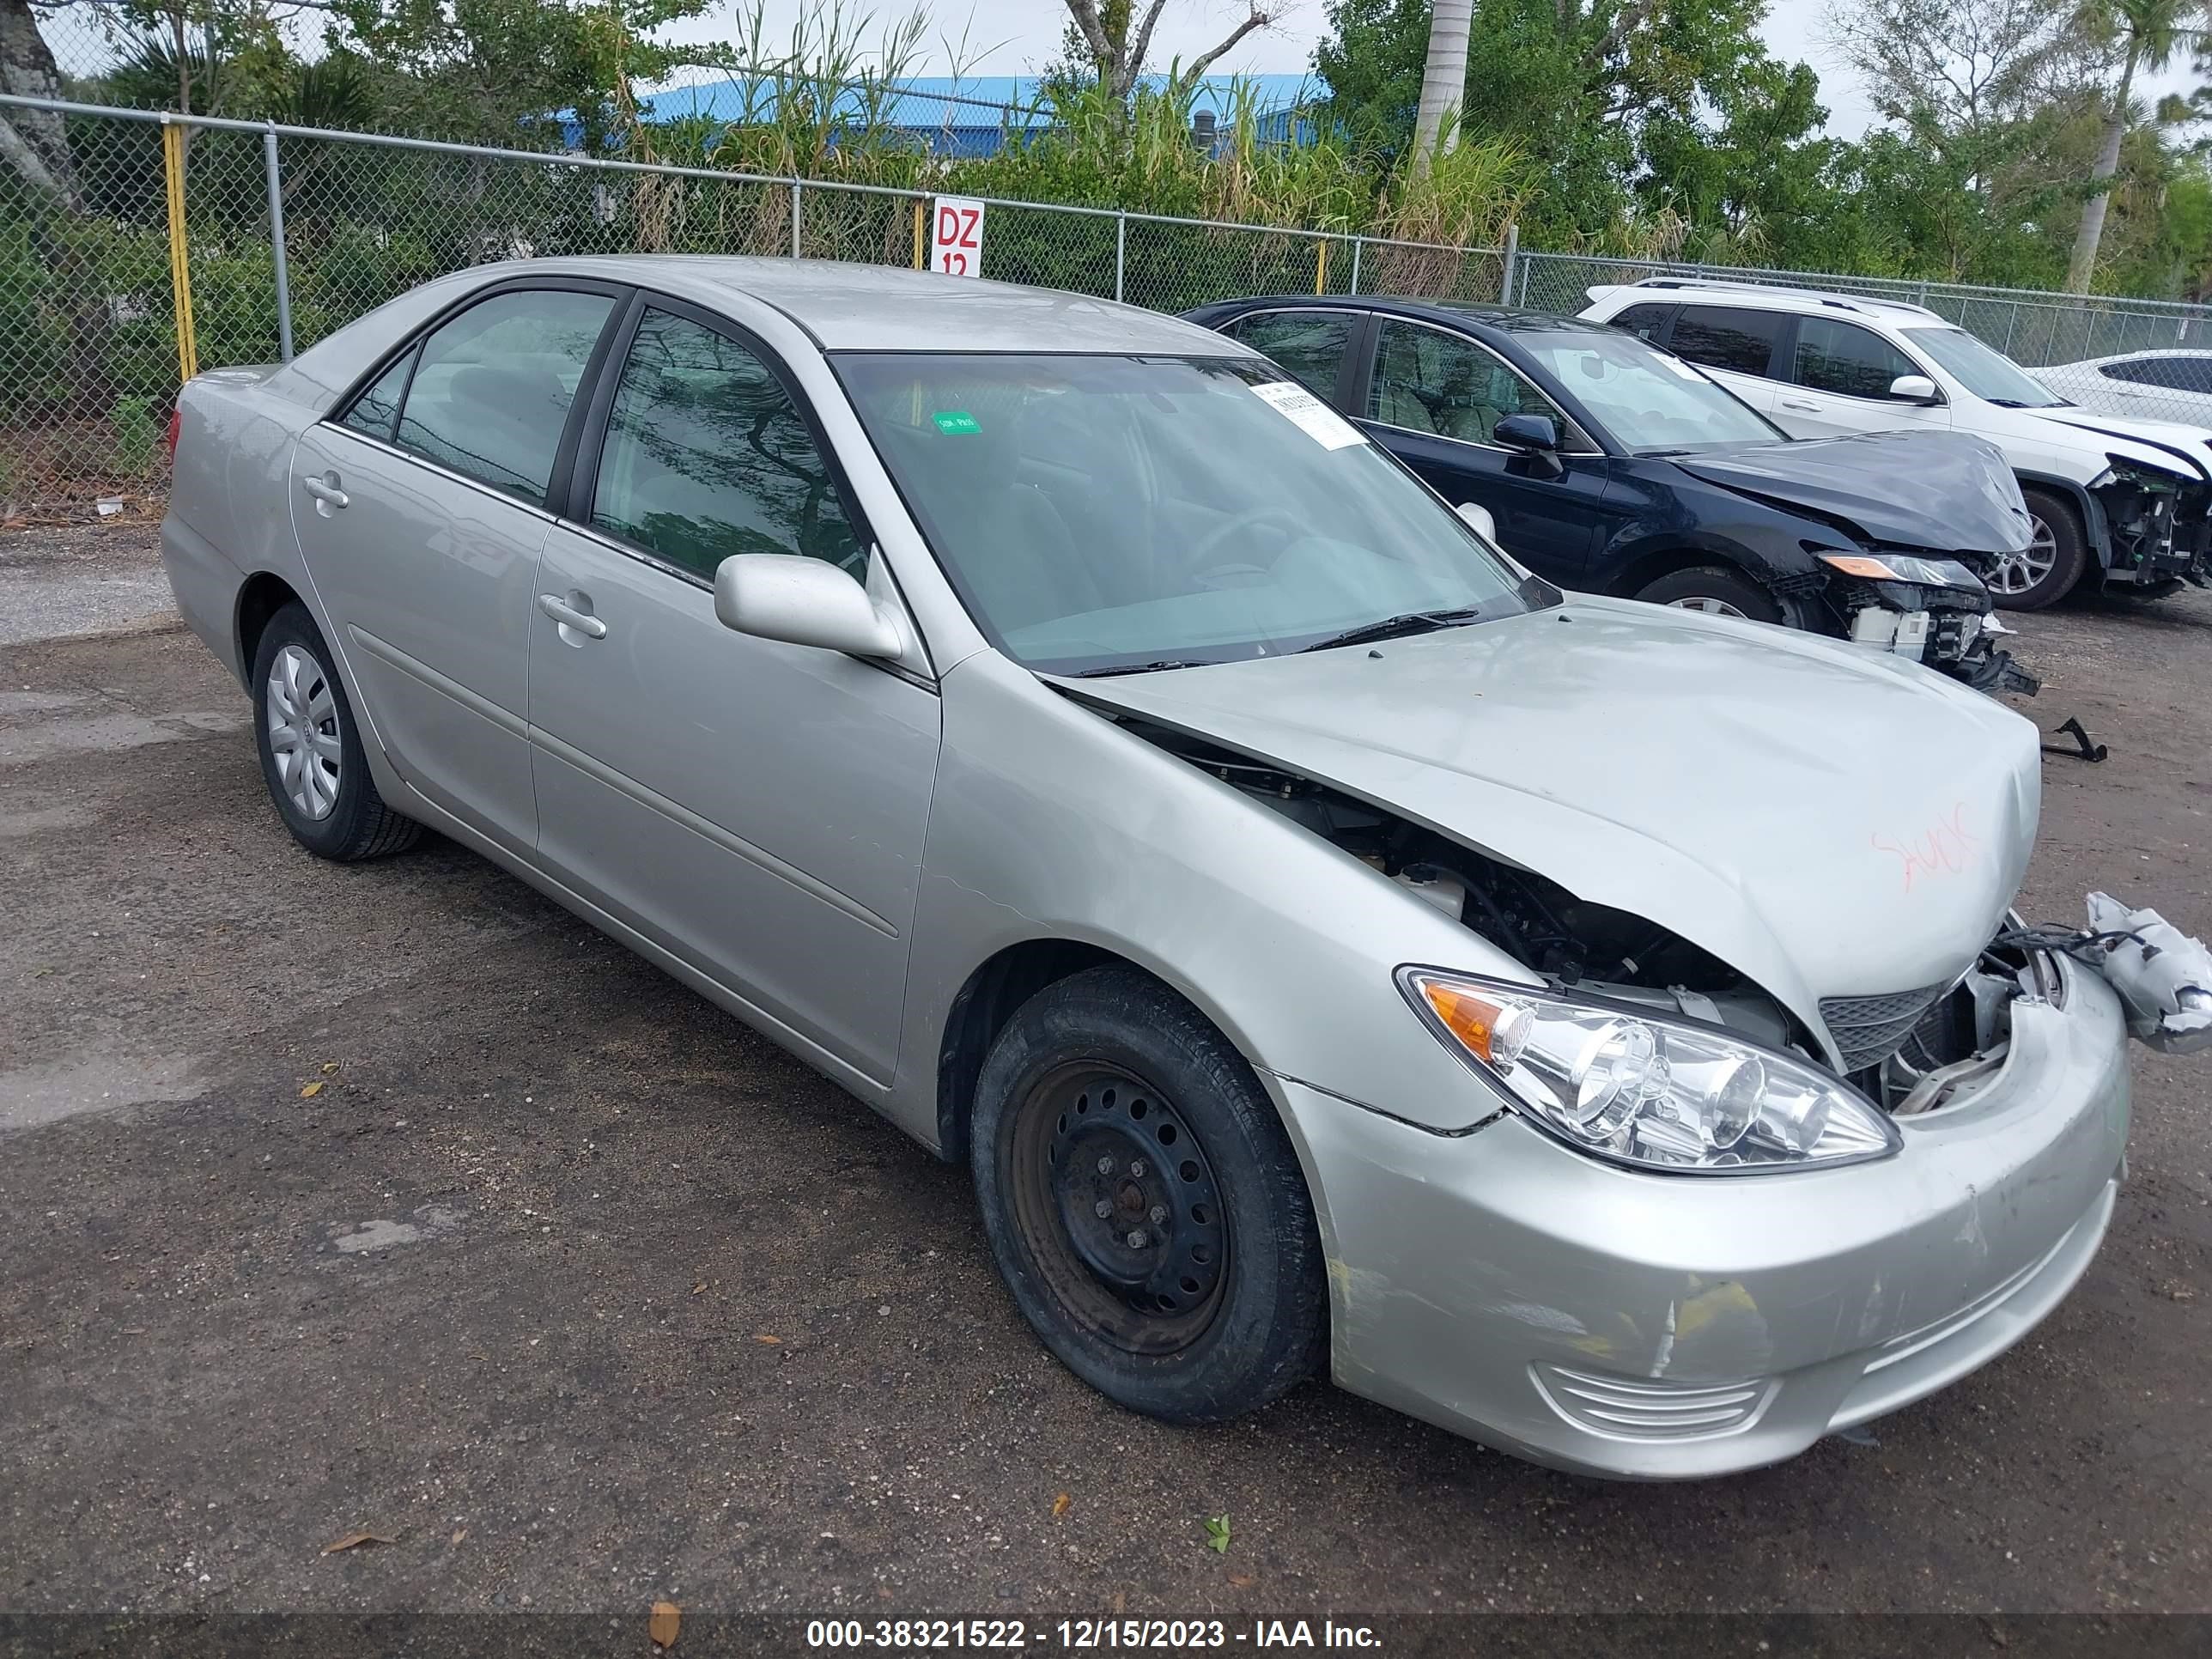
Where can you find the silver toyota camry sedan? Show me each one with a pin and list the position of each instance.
(1598, 1029)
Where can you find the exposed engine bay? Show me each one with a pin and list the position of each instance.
(1913, 1053)
(2158, 527)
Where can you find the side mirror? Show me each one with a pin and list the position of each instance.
(801, 601)
(1914, 389)
(1478, 519)
(1535, 433)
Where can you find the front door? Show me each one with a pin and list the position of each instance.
(1434, 400)
(420, 509)
(1839, 376)
(756, 808)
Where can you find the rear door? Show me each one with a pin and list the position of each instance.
(420, 506)
(1840, 377)
(755, 808)
(1434, 399)
(1740, 347)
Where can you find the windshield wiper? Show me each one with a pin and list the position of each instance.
(1133, 668)
(1390, 627)
(2022, 403)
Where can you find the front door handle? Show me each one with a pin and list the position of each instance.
(568, 617)
(1805, 408)
(325, 490)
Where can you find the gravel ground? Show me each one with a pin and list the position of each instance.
(392, 1200)
(85, 578)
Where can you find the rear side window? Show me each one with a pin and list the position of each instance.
(1844, 358)
(1729, 336)
(707, 456)
(376, 410)
(2173, 373)
(1311, 344)
(1646, 320)
(495, 386)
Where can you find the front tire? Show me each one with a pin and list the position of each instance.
(1715, 591)
(311, 753)
(2058, 554)
(1143, 1202)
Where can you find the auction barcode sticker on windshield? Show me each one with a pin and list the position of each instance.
(1309, 414)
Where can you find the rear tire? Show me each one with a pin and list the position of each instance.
(2053, 564)
(1198, 1295)
(1716, 591)
(311, 758)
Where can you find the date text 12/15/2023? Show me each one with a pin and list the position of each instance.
(1086, 1635)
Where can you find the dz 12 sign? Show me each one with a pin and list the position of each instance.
(956, 244)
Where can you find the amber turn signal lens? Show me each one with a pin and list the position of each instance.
(1472, 1019)
(1873, 570)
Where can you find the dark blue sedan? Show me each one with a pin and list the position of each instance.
(1611, 465)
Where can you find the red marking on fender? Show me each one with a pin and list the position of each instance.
(1944, 849)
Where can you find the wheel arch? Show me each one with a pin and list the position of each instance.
(2094, 530)
(263, 594)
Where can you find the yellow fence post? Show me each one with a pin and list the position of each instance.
(1320, 267)
(180, 269)
(920, 215)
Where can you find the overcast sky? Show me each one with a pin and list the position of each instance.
(1024, 35)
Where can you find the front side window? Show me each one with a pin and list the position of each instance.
(1729, 336)
(1846, 359)
(1311, 344)
(494, 385)
(1115, 512)
(1426, 380)
(1645, 399)
(707, 456)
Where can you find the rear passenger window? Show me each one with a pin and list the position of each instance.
(495, 384)
(1843, 357)
(1728, 336)
(707, 456)
(377, 409)
(1647, 319)
(1311, 344)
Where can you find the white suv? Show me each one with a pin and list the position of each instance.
(2126, 498)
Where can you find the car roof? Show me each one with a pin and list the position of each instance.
(1446, 313)
(857, 307)
(1766, 296)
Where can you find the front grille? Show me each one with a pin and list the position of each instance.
(1645, 1409)
(1869, 1029)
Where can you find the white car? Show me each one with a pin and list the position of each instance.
(2172, 385)
(2120, 501)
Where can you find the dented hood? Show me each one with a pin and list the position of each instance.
(1944, 492)
(1830, 823)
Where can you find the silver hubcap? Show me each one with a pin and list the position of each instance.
(2017, 573)
(303, 732)
(1711, 607)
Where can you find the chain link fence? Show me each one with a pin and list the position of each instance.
(285, 234)
(2039, 331)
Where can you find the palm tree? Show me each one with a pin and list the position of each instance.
(2151, 31)
(1444, 82)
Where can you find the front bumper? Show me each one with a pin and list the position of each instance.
(1662, 1327)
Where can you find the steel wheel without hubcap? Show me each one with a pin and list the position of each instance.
(1711, 607)
(1114, 1198)
(303, 732)
(2017, 573)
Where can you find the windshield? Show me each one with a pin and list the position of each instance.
(1649, 399)
(1104, 512)
(1990, 375)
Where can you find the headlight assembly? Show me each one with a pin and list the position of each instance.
(1636, 1089)
(1903, 567)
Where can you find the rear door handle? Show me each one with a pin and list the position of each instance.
(328, 492)
(1792, 403)
(568, 617)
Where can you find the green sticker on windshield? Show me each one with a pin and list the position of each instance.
(955, 423)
